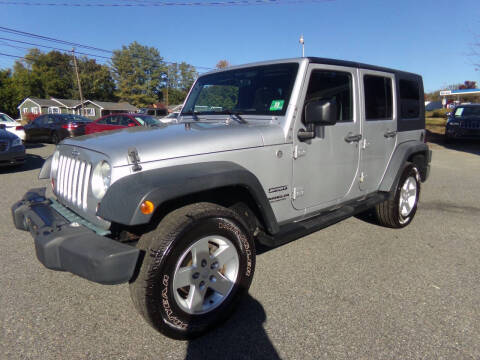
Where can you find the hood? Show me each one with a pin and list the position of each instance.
(4, 134)
(176, 140)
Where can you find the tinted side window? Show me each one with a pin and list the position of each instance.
(335, 86)
(125, 120)
(409, 99)
(39, 120)
(103, 121)
(378, 97)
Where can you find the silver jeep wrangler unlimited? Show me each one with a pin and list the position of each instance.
(263, 153)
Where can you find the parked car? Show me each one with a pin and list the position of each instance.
(120, 121)
(153, 112)
(12, 151)
(55, 127)
(463, 122)
(13, 126)
(170, 118)
(283, 149)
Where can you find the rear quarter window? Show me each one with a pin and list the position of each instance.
(409, 99)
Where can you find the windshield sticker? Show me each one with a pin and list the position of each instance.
(459, 112)
(277, 105)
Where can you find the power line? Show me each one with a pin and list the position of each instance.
(50, 47)
(46, 38)
(59, 41)
(12, 56)
(165, 4)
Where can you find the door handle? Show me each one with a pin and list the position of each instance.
(353, 138)
(390, 134)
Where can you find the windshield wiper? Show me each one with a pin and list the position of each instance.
(235, 115)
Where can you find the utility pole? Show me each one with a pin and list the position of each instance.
(78, 80)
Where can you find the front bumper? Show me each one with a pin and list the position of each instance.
(457, 132)
(69, 246)
(14, 156)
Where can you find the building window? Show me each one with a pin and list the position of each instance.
(53, 110)
(25, 110)
(34, 110)
(88, 112)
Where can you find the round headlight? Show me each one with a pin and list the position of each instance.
(101, 179)
(54, 165)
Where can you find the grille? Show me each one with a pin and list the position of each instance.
(3, 146)
(73, 177)
(470, 124)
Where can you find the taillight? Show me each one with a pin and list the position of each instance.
(19, 128)
(70, 126)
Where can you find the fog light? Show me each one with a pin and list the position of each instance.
(146, 207)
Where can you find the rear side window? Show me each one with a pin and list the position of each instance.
(378, 97)
(409, 99)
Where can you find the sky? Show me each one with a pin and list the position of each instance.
(432, 38)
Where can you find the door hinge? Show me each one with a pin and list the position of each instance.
(297, 192)
(299, 151)
(365, 144)
(362, 177)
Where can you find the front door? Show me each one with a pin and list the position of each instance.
(325, 167)
(379, 127)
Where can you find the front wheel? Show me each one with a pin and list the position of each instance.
(399, 211)
(55, 138)
(198, 264)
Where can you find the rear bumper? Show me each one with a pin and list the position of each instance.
(64, 246)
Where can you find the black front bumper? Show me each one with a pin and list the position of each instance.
(457, 132)
(61, 245)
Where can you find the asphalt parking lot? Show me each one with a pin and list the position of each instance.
(351, 291)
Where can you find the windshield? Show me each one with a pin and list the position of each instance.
(5, 117)
(467, 111)
(146, 120)
(260, 90)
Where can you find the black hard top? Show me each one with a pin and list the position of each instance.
(317, 60)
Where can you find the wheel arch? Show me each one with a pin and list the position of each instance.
(415, 152)
(222, 183)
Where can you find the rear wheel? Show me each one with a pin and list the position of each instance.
(399, 211)
(198, 264)
(55, 138)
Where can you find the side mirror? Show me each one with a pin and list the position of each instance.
(131, 124)
(318, 112)
(321, 112)
(2, 126)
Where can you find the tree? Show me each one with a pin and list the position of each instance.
(7, 93)
(222, 64)
(178, 80)
(97, 81)
(138, 71)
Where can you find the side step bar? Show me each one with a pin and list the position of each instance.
(293, 231)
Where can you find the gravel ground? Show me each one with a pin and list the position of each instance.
(352, 291)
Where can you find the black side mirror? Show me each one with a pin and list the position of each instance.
(321, 112)
(318, 112)
(2, 126)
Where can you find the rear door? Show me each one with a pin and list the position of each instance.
(325, 167)
(379, 122)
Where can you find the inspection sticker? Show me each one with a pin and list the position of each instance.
(277, 105)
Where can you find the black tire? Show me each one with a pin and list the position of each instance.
(388, 212)
(152, 291)
(55, 138)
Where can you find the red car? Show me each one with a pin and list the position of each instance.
(120, 121)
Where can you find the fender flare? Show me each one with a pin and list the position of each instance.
(400, 156)
(121, 203)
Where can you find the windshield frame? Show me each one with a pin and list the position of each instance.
(262, 73)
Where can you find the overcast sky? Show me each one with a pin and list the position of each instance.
(432, 38)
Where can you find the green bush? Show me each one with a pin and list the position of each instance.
(439, 113)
